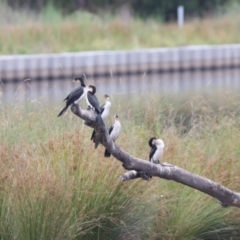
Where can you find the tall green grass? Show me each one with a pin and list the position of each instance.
(54, 185)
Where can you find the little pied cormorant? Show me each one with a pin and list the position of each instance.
(114, 132)
(75, 96)
(105, 109)
(92, 99)
(156, 152)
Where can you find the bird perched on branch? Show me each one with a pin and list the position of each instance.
(75, 96)
(156, 152)
(92, 99)
(105, 109)
(114, 132)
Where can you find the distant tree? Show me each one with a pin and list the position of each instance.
(166, 9)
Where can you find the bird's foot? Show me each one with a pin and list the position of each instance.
(145, 176)
(165, 164)
(90, 108)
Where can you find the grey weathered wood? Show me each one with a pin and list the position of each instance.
(139, 168)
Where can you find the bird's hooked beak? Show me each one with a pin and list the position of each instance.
(75, 80)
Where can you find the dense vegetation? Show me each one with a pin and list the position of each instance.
(165, 9)
(24, 32)
(54, 185)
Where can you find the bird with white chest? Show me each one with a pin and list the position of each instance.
(105, 108)
(156, 152)
(114, 132)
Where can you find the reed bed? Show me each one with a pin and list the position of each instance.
(54, 185)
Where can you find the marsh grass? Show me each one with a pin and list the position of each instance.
(54, 185)
(61, 189)
(25, 32)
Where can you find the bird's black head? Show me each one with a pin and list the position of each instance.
(116, 116)
(150, 141)
(81, 80)
(92, 89)
(107, 98)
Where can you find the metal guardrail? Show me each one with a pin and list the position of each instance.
(102, 63)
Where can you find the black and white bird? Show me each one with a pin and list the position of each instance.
(75, 96)
(156, 152)
(105, 109)
(114, 132)
(92, 100)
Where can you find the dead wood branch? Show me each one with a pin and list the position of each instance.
(139, 168)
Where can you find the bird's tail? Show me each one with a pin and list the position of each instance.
(94, 140)
(93, 135)
(63, 111)
(96, 145)
(107, 153)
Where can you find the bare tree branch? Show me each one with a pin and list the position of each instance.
(139, 168)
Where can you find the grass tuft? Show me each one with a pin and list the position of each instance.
(54, 185)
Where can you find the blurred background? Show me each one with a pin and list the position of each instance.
(172, 47)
